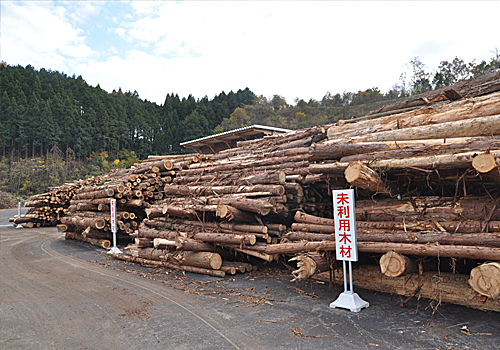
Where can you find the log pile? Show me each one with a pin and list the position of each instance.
(427, 184)
(48, 208)
(88, 215)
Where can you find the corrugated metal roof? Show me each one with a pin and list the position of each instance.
(235, 131)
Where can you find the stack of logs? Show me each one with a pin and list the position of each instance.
(427, 186)
(47, 209)
(88, 216)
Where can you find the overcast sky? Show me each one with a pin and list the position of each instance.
(294, 49)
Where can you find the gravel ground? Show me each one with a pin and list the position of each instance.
(57, 294)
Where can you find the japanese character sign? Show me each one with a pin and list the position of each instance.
(112, 205)
(345, 225)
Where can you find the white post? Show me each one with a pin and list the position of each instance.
(18, 214)
(112, 205)
(346, 247)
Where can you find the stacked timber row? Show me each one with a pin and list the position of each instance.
(47, 209)
(427, 185)
(428, 191)
(88, 216)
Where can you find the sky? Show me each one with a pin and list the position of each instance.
(295, 49)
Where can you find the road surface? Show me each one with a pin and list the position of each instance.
(57, 294)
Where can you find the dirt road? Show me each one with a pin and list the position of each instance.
(57, 294)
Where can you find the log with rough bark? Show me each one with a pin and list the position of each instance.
(359, 175)
(143, 261)
(103, 243)
(206, 260)
(240, 267)
(457, 111)
(84, 222)
(376, 235)
(222, 190)
(309, 265)
(439, 287)
(482, 126)
(393, 264)
(408, 149)
(258, 206)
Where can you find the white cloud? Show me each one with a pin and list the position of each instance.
(295, 49)
(39, 34)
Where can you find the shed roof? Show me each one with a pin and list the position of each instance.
(228, 137)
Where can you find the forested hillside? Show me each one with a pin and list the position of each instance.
(43, 108)
(55, 127)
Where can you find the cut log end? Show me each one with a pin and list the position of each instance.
(393, 264)
(485, 280)
(484, 162)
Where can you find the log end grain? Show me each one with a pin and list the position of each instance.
(484, 162)
(485, 279)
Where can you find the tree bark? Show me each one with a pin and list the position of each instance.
(442, 287)
(359, 175)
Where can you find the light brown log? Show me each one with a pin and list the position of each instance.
(430, 116)
(233, 214)
(222, 190)
(231, 270)
(208, 260)
(484, 162)
(65, 227)
(79, 221)
(359, 175)
(217, 273)
(260, 255)
(393, 264)
(488, 165)
(103, 243)
(252, 205)
(210, 225)
(193, 245)
(225, 238)
(438, 208)
(432, 147)
(443, 287)
(375, 235)
(309, 265)
(485, 279)
(99, 193)
(354, 151)
(176, 211)
(240, 267)
(482, 126)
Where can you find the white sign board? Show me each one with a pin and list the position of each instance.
(346, 246)
(19, 210)
(112, 204)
